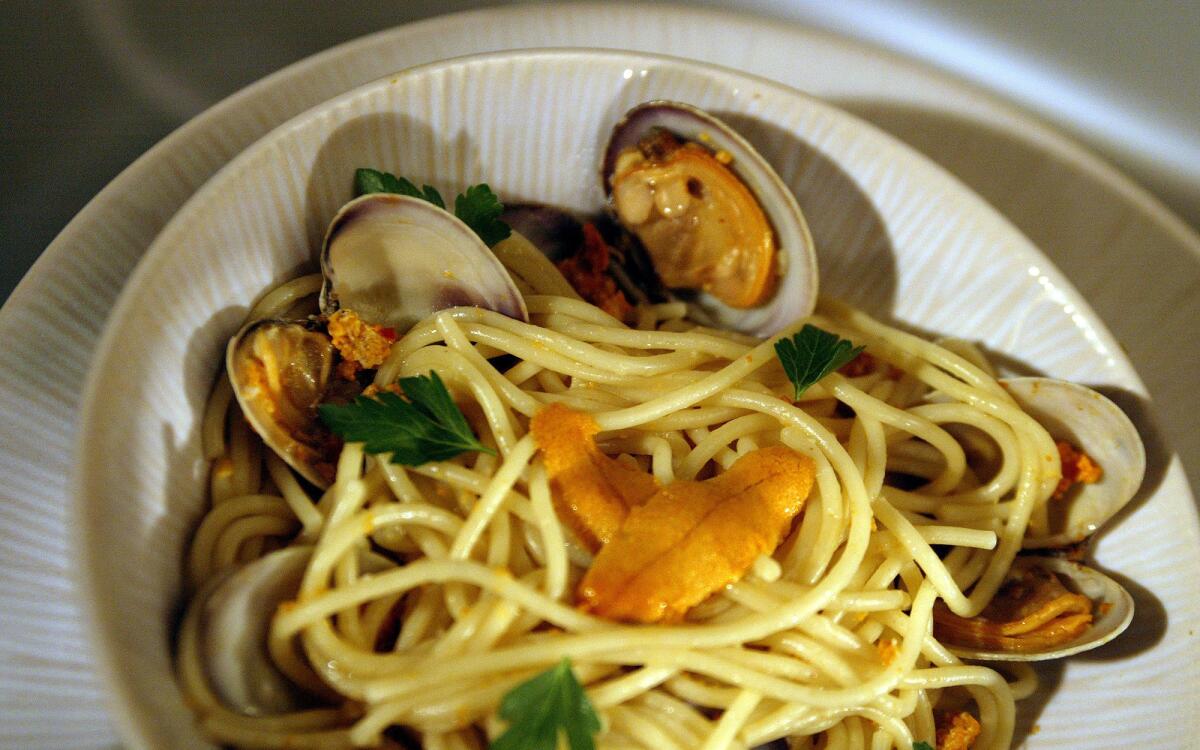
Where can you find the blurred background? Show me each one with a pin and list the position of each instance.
(86, 86)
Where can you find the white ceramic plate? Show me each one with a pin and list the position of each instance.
(896, 234)
(1135, 262)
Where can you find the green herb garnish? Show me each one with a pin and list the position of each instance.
(812, 354)
(426, 427)
(478, 207)
(545, 707)
(920, 745)
(368, 181)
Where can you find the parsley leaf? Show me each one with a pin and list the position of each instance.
(812, 354)
(372, 181)
(478, 208)
(919, 745)
(546, 706)
(426, 427)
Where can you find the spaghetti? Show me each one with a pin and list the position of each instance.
(827, 641)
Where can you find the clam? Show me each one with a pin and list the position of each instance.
(718, 224)
(391, 259)
(558, 234)
(234, 623)
(1074, 588)
(395, 260)
(233, 626)
(1090, 608)
(1094, 424)
(280, 371)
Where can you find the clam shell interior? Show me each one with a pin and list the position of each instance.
(1112, 611)
(1093, 423)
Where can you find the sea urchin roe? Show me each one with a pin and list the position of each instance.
(693, 537)
(592, 492)
(362, 345)
(1032, 611)
(700, 224)
(957, 730)
(1077, 468)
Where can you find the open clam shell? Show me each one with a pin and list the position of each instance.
(1112, 611)
(280, 371)
(703, 232)
(1098, 427)
(395, 260)
(234, 623)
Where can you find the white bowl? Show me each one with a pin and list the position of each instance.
(897, 236)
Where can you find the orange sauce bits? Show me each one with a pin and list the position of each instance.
(361, 344)
(1077, 468)
(693, 537)
(592, 492)
(587, 273)
(1032, 611)
(956, 731)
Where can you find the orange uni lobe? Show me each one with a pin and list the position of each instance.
(691, 538)
(592, 492)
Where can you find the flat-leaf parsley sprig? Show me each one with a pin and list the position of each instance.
(546, 707)
(424, 426)
(478, 207)
(812, 354)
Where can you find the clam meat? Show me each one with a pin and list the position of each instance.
(1048, 608)
(280, 371)
(718, 224)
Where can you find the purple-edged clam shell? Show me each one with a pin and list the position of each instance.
(279, 371)
(1094, 424)
(395, 260)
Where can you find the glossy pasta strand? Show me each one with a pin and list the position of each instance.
(486, 588)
